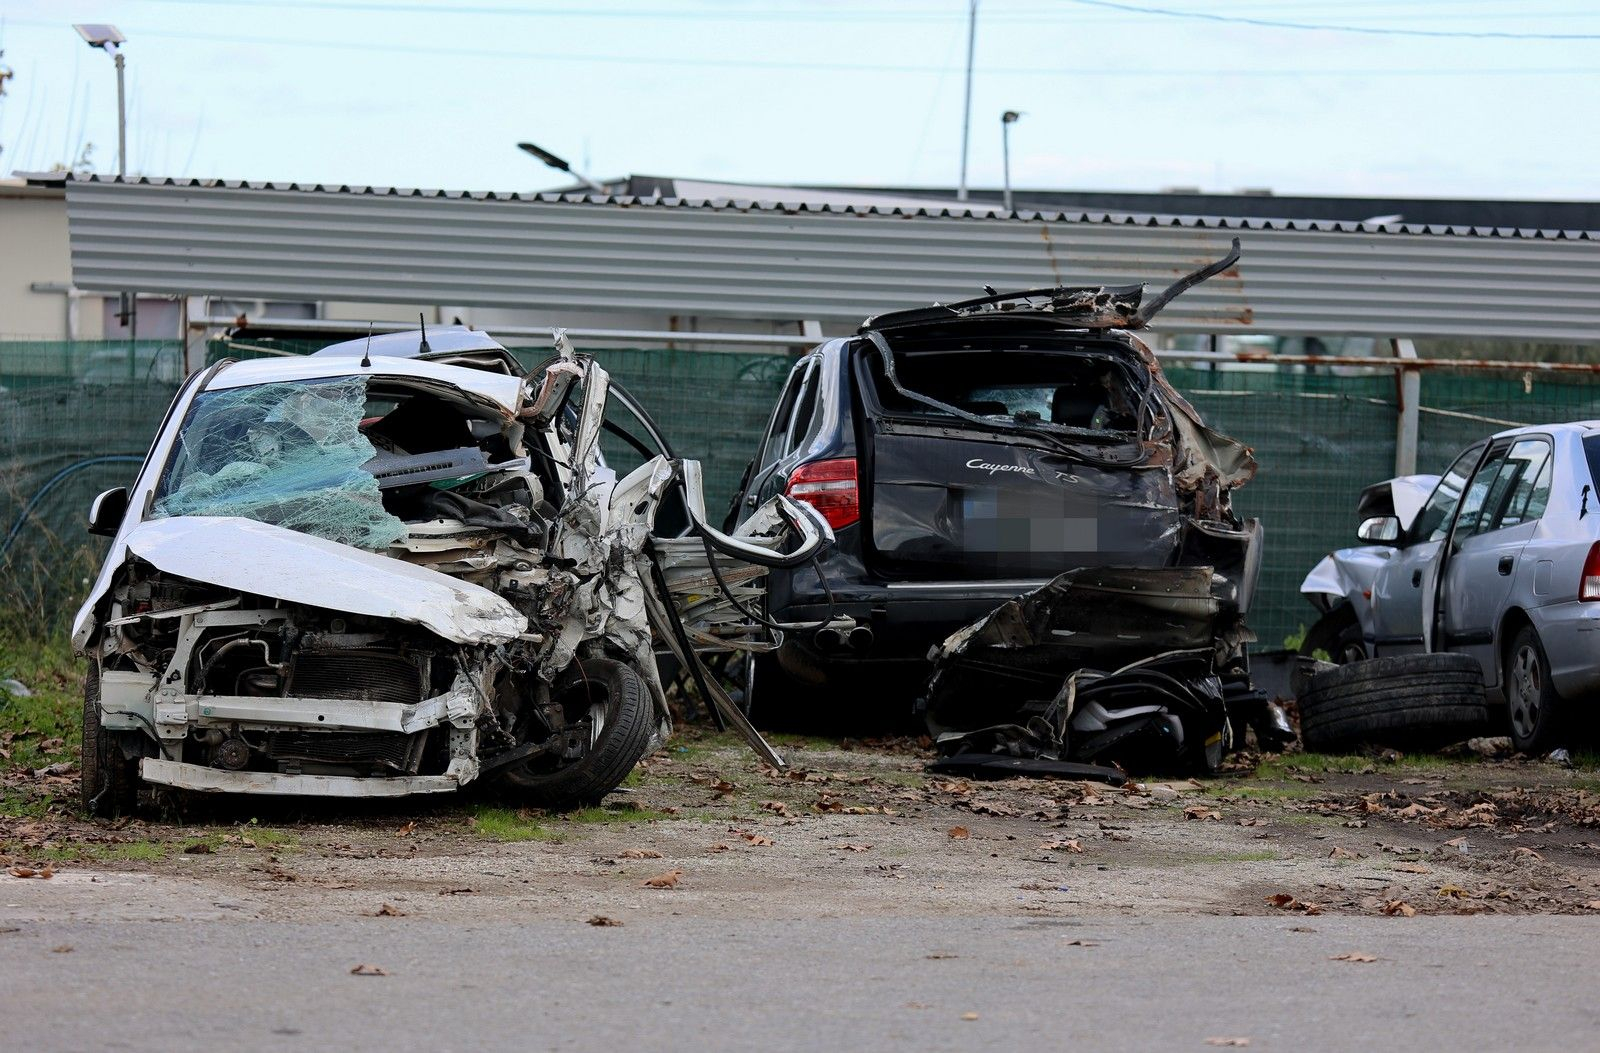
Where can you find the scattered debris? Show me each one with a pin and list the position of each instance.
(1351, 956)
(666, 880)
(601, 921)
(368, 970)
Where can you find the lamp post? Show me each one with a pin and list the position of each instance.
(560, 165)
(966, 105)
(1007, 119)
(110, 40)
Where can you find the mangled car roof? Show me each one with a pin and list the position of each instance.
(506, 391)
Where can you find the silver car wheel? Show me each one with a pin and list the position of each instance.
(597, 723)
(1524, 690)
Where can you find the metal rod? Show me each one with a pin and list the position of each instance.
(122, 121)
(340, 326)
(1408, 420)
(1006, 120)
(966, 110)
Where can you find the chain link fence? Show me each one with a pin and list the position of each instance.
(77, 418)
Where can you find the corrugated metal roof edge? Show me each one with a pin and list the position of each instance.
(730, 204)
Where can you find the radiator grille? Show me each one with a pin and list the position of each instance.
(370, 675)
(388, 749)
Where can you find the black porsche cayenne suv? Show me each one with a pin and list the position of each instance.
(969, 453)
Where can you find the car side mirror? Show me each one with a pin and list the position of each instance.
(1384, 530)
(107, 512)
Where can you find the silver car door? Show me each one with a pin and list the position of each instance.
(1484, 549)
(1403, 587)
(1479, 576)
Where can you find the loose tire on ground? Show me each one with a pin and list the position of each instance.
(108, 781)
(629, 717)
(1404, 700)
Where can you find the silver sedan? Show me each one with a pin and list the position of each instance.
(1502, 562)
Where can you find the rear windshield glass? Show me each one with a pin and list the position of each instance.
(1077, 391)
(1591, 452)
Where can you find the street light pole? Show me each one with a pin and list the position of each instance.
(560, 165)
(122, 118)
(1007, 119)
(966, 109)
(109, 38)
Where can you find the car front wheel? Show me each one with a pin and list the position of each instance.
(1533, 708)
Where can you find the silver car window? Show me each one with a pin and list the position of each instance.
(1477, 495)
(1434, 519)
(1526, 473)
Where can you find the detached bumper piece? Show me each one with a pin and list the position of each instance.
(1111, 667)
(216, 780)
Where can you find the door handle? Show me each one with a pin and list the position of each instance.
(1505, 565)
(1416, 579)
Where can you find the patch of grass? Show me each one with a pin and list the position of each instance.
(17, 804)
(1260, 855)
(613, 815)
(44, 727)
(135, 851)
(789, 740)
(267, 837)
(507, 825)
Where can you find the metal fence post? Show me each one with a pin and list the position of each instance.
(1408, 384)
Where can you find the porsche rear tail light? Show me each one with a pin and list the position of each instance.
(830, 488)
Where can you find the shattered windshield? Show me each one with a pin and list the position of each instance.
(288, 454)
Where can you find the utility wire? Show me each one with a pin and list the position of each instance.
(1269, 23)
(836, 67)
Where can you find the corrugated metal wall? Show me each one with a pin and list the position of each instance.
(749, 261)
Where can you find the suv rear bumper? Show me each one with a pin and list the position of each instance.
(905, 618)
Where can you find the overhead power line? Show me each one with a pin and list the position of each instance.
(1271, 23)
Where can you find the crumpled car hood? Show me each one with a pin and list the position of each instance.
(287, 565)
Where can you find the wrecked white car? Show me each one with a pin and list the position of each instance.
(368, 574)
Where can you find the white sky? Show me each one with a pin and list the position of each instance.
(433, 93)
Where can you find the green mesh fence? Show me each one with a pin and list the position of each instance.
(76, 418)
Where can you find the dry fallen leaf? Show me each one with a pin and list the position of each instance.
(1593, 904)
(969, 1016)
(1201, 812)
(960, 833)
(939, 956)
(639, 853)
(369, 970)
(405, 831)
(1238, 1042)
(28, 872)
(775, 807)
(602, 922)
(718, 847)
(199, 848)
(1344, 853)
(757, 839)
(667, 880)
(1452, 891)
(1066, 845)
(854, 848)
(389, 910)
(1284, 901)
(1400, 907)
(1351, 956)
(65, 948)
(1083, 943)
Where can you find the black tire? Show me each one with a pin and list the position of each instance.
(624, 737)
(108, 780)
(1535, 713)
(1338, 635)
(1404, 700)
